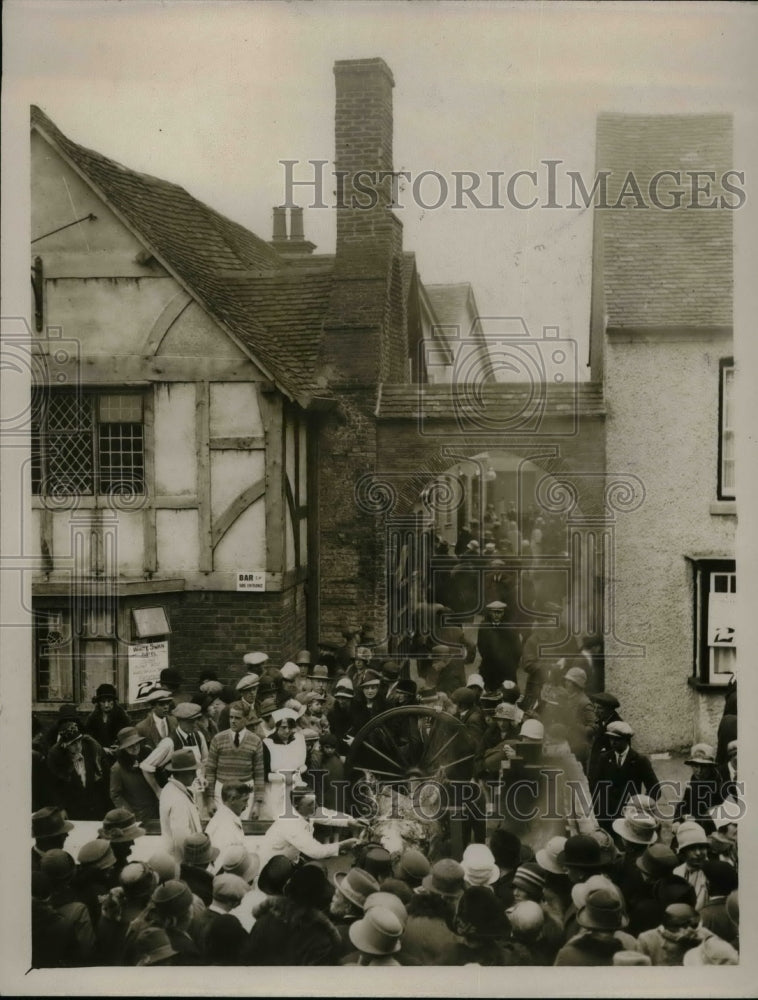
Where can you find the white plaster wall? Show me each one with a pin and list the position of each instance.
(232, 472)
(175, 452)
(234, 410)
(662, 425)
(178, 544)
(194, 334)
(130, 541)
(243, 547)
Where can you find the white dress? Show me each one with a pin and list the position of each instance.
(286, 761)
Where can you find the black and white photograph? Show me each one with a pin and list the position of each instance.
(377, 433)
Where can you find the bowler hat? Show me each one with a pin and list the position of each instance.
(275, 875)
(701, 754)
(50, 821)
(388, 900)
(378, 932)
(58, 865)
(187, 710)
(356, 885)
(96, 854)
(182, 760)
(170, 677)
(639, 829)
(105, 691)
(602, 911)
(198, 849)
(173, 897)
(127, 737)
(445, 878)
(582, 851)
(120, 825)
(657, 860)
(153, 945)
(377, 862)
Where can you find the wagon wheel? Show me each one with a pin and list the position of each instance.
(412, 743)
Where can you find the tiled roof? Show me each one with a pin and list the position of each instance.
(665, 268)
(450, 302)
(237, 276)
(500, 400)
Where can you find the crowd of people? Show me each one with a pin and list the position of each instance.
(573, 851)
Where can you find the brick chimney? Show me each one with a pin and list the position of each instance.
(364, 326)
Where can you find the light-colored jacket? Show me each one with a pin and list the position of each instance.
(293, 836)
(179, 816)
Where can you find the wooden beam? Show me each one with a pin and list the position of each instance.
(271, 414)
(178, 502)
(149, 526)
(238, 443)
(169, 315)
(46, 538)
(202, 438)
(60, 584)
(100, 264)
(131, 369)
(235, 509)
(293, 517)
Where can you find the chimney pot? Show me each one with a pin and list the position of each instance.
(296, 224)
(280, 223)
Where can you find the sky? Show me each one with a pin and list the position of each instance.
(213, 95)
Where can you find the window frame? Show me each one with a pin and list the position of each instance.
(137, 485)
(726, 366)
(703, 570)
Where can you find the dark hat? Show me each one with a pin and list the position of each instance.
(329, 740)
(464, 697)
(153, 945)
(605, 698)
(127, 737)
(170, 677)
(398, 888)
(391, 669)
(414, 865)
(267, 707)
(182, 760)
(275, 875)
(531, 878)
(355, 885)
(657, 860)
(377, 862)
(721, 877)
(674, 889)
(480, 914)
(120, 825)
(445, 878)
(582, 851)
(505, 847)
(50, 822)
(310, 886)
(602, 911)
(96, 854)
(407, 687)
(370, 677)
(173, 897)
(198, 849)
(105, 691)
(69, 733)
(58, 865)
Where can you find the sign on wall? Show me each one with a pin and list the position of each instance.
(721, 620)
(146, 660)
(251, 580)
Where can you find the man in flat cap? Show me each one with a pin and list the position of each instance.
(499, 645)
(185, 736)
(158, 724)
(621, 773)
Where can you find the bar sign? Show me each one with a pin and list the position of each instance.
(249, 580)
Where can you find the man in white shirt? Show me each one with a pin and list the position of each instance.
(157, 725)
(185, 735)
(292, 834)
(179, 815)
(225, 826)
